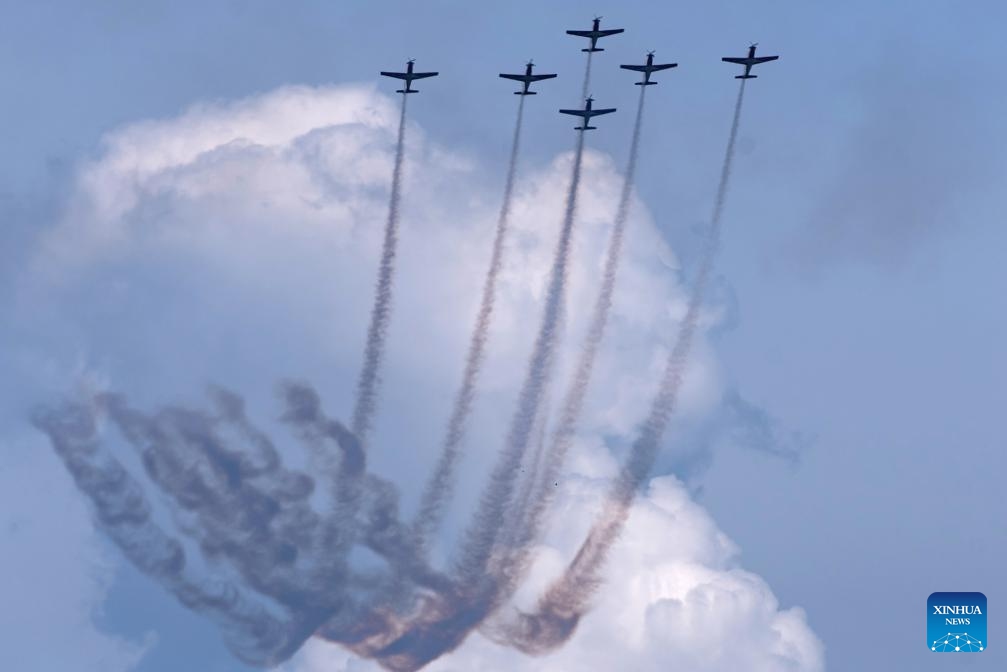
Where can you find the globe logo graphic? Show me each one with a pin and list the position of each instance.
(957, 641)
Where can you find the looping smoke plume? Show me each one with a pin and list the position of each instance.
(281, 532)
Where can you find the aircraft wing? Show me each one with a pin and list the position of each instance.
(663, 66)
(423, 75)
(576, 113)
(539, 78)
(764, 59)
(396, 75)
(581, 33)
(609, 110)
(516, 78)
(635, 68)
(611, 31)
(739, 61)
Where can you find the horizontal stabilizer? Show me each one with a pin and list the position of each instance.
(645, 83)
(406, 91)
(746, 76)
(593, 49)
(526, 93)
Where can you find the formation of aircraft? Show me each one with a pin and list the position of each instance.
(749, 61)
(648, 68)
(595, 34)
(587, 113)
(408, 76)
(527, 78)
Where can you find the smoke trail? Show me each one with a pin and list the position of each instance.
(561, 607)
(446, 622)
(256, 635)
(574, 400)
(439, 487)
(483, 532)
(363, 412)
(587, 78)
(243, 511)
(514, 533)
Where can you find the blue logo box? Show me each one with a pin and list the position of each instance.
(956, 622)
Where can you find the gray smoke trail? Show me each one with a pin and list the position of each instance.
(483, 532)
(242, 509)
(370, 375)
(514, 532)
(254, 633)
(439, 488)
(561, 607)
(448, 617)
(573, 402)
(448, 620)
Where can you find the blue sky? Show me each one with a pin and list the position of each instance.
(862, 249)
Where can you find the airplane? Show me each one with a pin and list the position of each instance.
(587, 113)
(527, 78)
(409, 76)
(594, 34)
(648, 69)
(749, 61)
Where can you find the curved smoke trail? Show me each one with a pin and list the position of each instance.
(564, 603)
(484, 530)
(438, 489)
(573, 402)
(367, 385)
(405, 644)
(486, 527)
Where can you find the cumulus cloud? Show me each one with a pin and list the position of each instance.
(237, 243)
(676, 599)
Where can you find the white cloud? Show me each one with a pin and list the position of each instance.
(237, 243)
(675, 599)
